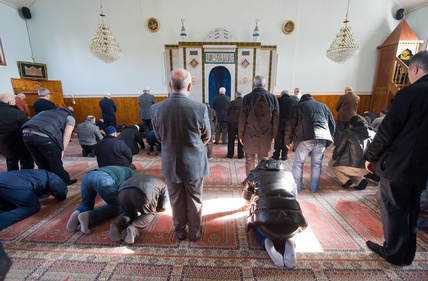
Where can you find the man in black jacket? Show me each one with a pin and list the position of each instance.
(108, 110)
(132, 137)
(141, 197)
(220, 104)
(112, 151)
(233, 111)
(399, 154)
(349, 166)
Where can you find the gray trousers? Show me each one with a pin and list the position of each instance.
(186, 204)
(250, 161)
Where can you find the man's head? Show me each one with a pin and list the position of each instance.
(297, 91)
(238, 94)
(180, 81)
(110, 130)
(7, 98)
(348, 90)
(90, 118)
(146, 90)
(259, 82)
(21, 96)
(44, 93)
(418, 66)
(383, 112)
(285, 93)
(222, 91)
(107, 95)
(358, 121)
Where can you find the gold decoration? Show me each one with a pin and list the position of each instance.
(153, 24)
(288, 27)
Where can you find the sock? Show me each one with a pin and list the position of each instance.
(73, 222)
(84, 222)
(290, 253)
(275, 256)
(115, 232)
(130, 235)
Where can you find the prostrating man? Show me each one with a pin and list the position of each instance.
(89, 135)
(19, 192)
(21, 104)
(310, 127)
(152, 143)
(46, 136)
(399, 154)
(346, 107)
(183, 128)
(220, 104)
(11, 145)
(258, 123)
(43, 103)
(112, 151)
(141, 197)
(132, 137)
(145, 101)
(108, 110)
(105, 182)
(286, 104)
(377, 121)
(233, 111)
(348, 162)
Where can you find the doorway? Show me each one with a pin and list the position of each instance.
(219, 77)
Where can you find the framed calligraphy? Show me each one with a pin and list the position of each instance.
(220, 57)
(30, 70)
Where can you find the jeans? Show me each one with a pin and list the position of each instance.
(98, 182)
(316, 149)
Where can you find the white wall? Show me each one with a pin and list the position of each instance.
(61, 32)
(418, 21)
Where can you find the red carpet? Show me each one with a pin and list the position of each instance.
(332, 248)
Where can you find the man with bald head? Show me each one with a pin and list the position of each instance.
(11, 144)
(183, 128)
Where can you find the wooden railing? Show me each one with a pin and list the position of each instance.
(400, 76)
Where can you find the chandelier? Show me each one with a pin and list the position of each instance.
(344, 46)
(104, 45)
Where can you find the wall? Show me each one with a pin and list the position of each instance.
(418, 21)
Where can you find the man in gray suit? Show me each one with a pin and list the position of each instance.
(145, 101)
(183, 128)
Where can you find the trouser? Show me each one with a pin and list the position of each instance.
(210, 146)
(147, 126)
(250, 161)
(186, 204)
(345, 173)
(399, 208)
(279, 147)
(47, 154)
(25, 160)
(88, 149)
(232, 136)
(340, 127)
(221, 127)
(109, 120)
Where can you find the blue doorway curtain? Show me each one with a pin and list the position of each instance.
(219, 77)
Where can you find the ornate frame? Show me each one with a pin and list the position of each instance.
(152, 24)
(288, 27)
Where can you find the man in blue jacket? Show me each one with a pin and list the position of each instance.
(19, 192)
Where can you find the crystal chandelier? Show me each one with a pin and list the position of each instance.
(104, 45)
(344, 46)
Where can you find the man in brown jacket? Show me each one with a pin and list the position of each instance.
(346, 107)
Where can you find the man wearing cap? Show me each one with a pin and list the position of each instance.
(112, 151)
(145, 101)
(108, 110)
(346, 107)
(43, 103)
(220, 104)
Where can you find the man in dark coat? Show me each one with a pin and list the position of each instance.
(286, 104)
(399, 154)
(183, 128)
(141, 198)
(112, 151)
(19, 192)
(212, 115)
(310, 127)
(145, 101)
(233, 111)
(346, 107)
(348, 162)
(108, 110)
(46, 136)
(258, 123)
(43, 103)
(11, 145)
(220, 104)
(132, 137)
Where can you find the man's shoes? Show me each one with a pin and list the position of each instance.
(115, 232)
(155, 150)
(84, 222)
(290, 253)
(362, 185)
(73, 222)
(374, 247)
(130, 235)
(283, 158)
(347, 184)
(148, 150)
(181, 235)
(70, 182)
(274, 255)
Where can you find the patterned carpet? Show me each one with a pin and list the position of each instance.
(332, 248)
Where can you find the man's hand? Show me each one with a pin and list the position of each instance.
(241, 141)
(370, 166)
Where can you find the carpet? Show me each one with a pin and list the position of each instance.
(332, 248)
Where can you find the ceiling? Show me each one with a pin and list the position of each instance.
(408, 5)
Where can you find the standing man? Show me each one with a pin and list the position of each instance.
(346, 107)
(21, 104)
(108, 110)
(183, 128)
(286, 104)
(89, 135)
(46, 136)
(11, 145)
(258, 123)
(220, 104)
(145, 101)
(311, 128)
(233, 111)
(398, 154)
(297, 94)
(43, 103)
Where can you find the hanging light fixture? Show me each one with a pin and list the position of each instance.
(104, 45)
(256, 33)
(344, 46)
(183, 32)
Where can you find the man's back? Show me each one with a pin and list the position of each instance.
(234, 110)
(346, 106)
(42, 105)
(145, 102)
(88, 133)
(112, 151)
(108, 106)
(286, 104)
(220, 104)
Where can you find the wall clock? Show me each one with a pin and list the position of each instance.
(288, 27)
(152, 24)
